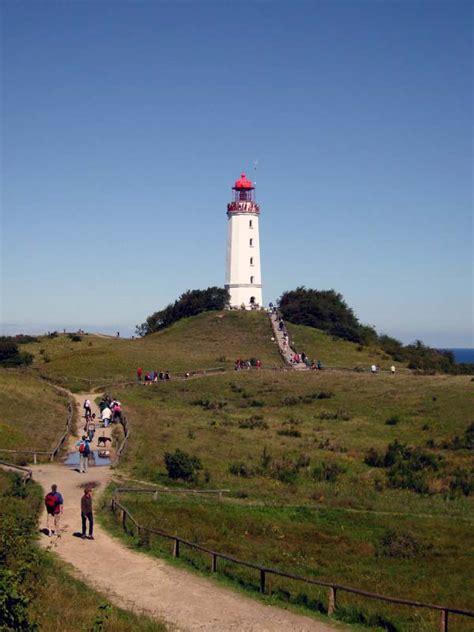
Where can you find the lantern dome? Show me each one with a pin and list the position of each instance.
(243, 183)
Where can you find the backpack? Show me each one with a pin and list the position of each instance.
(84, 448)
(51, 501)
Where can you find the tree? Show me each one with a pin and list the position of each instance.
(10, 356)
(326, 310)
(191, 303)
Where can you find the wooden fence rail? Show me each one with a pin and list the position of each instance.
(334, 588)
(25, 473)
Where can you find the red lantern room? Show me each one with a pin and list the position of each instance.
(244, 197)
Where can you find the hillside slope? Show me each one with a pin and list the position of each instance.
(210, 340)
(336, 352)
(32, 413)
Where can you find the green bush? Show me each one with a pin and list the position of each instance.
(10, 356)
(75, 337)
(256, 421)
(190, 303)
(401, 545)
(241, 469)
(462, 482)
(182, 465)
(393, 420)
(289, 432)
(327, 472)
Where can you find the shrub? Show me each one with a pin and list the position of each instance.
(265, 458)
(289, 432)
(10, 356)
(339, 415)
(208, 404)
(241, 469)
(462, 482)
(328, 472)
(190, 303)
(182, 465)
(400, 545)
(393, 420)
(373, 458)
(75, 337)
(254, 422)
(284, 470)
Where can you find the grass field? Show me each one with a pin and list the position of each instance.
(32, 413)
(302, 499)
(38, 592)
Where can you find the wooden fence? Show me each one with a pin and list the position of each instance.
(123, 443)
(24, 472)
(263, 571)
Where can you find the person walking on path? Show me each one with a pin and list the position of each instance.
(84, 451)
(139, 373)
(392, 369)
(54, 508)
(86, 514)
(106, 416)
(87, 408)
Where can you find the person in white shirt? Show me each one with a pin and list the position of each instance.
(373, 368)
(106, 416)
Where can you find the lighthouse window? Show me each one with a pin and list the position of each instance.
(251, 261)
(250, 223)
(251, 279)
(251, 242)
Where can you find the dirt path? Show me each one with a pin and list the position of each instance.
(285, 348)
(139, 582)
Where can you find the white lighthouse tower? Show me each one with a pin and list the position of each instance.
(243, 277)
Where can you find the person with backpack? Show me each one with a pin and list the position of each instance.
(84, 452)
(86, 514)
(54, 508)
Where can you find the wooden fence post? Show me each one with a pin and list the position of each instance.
(262, 581)
(124, 518)
(443, 624)
(332, 601)
(214, 563)
(176, 548)
(34, 459)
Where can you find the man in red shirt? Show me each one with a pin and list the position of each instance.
(54, 508)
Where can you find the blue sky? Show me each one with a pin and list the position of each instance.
(124, 125)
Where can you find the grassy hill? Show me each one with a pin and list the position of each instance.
(210, 340)
(32, 413)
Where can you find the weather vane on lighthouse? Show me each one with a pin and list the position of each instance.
(243, 276)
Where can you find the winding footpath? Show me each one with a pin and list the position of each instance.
(142, 583)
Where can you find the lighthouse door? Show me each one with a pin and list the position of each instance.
(252, 300)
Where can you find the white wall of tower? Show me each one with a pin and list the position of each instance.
(243, 271)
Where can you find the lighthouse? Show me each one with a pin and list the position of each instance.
(243, 277)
